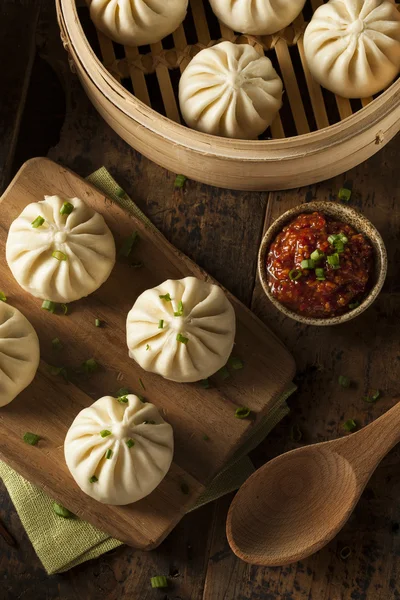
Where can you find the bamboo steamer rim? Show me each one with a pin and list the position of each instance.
(225, 148)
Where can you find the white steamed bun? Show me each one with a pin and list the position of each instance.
(80, 239)
(182, 329)
(231, 91)
(119, 449)
(19, 353)
(352, 47)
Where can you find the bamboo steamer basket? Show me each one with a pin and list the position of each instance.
(316, 136)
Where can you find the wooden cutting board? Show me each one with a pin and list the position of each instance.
(50, 404)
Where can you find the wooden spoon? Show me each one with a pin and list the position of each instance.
(299, 501)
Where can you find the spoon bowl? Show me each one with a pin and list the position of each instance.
(295, 504)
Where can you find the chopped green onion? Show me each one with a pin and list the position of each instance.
(344, 381)
(349, 425)
(64, 308)
(184, 488)
(61, 511)
(224, 373)
(344, 194)
(161, 324)
(242, 413)
(123, 392)
(57, 345)
(66, 208)
(123, 399)
(375, 395)
(58, 371)
(120, 192)
(31, 438)
(354, 305)
(98, 323)
(109, 454)
(180, 181)
(159, 581)
(147, 347)
(205, 437)
(49, 306)
(90, 366)
(127, 244)
(166, 297)
(345, 553)
(105, 433)
(307, 264)
(295, 274)
(3, 297)
(130, 443)
(59, 255)
(334, 260)
(205, 384)
(320, 274)
(179, 312)
(317, 255)
(181, 338)
(38, 222)
(149, 422)
(93, 479)
(235, 363)
(295, 433)
(141, 384)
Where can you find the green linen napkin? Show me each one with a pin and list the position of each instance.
(64, 543)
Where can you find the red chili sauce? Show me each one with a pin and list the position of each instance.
(332, 285)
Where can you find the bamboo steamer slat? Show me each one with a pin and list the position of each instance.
(319, 150)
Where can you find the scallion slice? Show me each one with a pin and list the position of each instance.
(180, 181)
(130, 443)
(59, 255)
(295, 274)
(317, 255)
(320, 274)
(98, 323)
(104, 433)
(61, 511)
(128, 244)
(242, 413)
(120, 192)
(161, 324)
(141, 384)
(159, 581)
(109, 454)
(372, 397)
(344, 381)
(334, 260)
(345, 553)
(31, 438)
(307, 264)
(224, 373)
(147, 347)
(90, 365)
(205, 437)
(165, 297)
(38, 222)
(344, 194)
(179, 312)
(66, 208)
(181, 338)
(123, 392)
(64, 308)
(3, 297)
(49, 306)
(123, 399)
(93, 479)
(350, 425)
(56, 343)
(235, 363)
(59, 371)
(354, 305)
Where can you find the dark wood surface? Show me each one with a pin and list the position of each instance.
(221, 231)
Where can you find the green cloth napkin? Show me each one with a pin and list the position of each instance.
(64, 543)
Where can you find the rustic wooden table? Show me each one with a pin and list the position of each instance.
(43, 111)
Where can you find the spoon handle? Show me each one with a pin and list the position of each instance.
(367, 447)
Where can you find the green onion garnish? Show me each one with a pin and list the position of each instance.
(122, 399)
(147, 347)
(344, 381)
(141, 384)
(130, 443)
(320, 274)
(58, 371)
(105, 433)
(98, 323)
(242, 413)
(223, 371)
(344, 194)
(354, 305)
(122, 392)
(345, 553)
(295, 274)
(235, 363)
(179, 312)
(57, 345)
(3, 297)
(149, 422)
(159, 581)
(59, 255)
(205, 437)
(307, 264)
(90, 366)
(49, 306)
(295, 433)
(205, 384)
(64, 308)
(31, 438)
(38, 222)
(161, 324)
(166, 297)
(109, 454)
(180, 181)
(61, 511)
(350, 425)
(375, 395)
(181, 338)
(317, 255)
(66, 208)
(120, 192)
(93, 479)
(128, 244)
(184, 488)
(334, 260)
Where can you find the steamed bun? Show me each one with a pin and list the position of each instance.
(66, 257)
(19, 353)
(119, 449)
(182, 329)
(352, 47)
